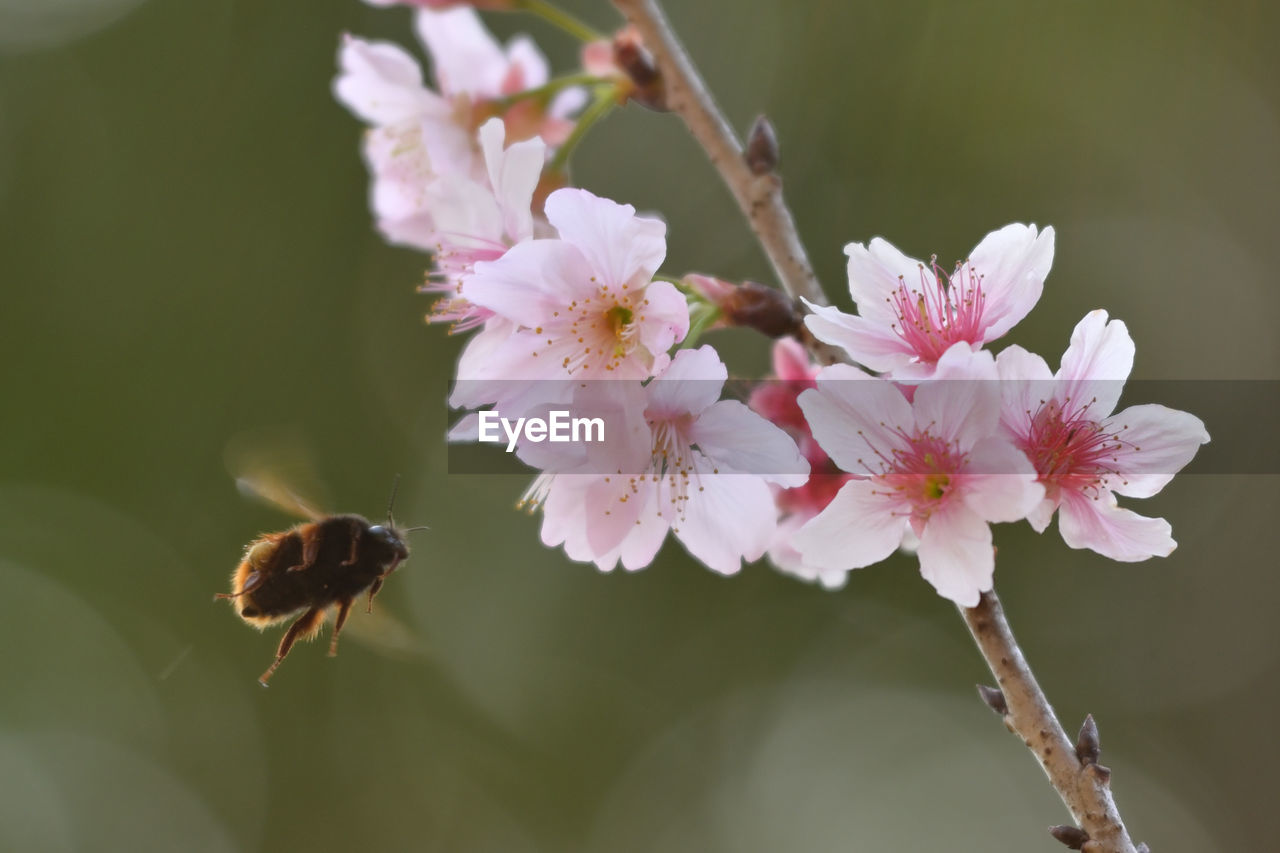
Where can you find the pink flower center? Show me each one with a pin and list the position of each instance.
(919, 474)
(1070, 450)
(941, 311)
(600, 332)
(455, 257)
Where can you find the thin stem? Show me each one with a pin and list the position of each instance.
(559, 17)
(758, 196)
(551, 87)
(1084, 788)
(605, 101)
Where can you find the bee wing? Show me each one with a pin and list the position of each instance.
(275, 467)
(386, 634)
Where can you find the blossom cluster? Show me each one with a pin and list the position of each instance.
(923, 440)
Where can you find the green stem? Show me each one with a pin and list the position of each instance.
(559, 17)
(551, 87)
(605, 100)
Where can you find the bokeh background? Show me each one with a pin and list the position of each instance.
(189, 265)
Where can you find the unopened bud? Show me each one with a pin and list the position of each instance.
(635, 60)
(762, 148)
(1087, 745)
(994, 698)
(1072, 836)
(767, 310)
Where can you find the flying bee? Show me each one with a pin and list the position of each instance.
(324, 563)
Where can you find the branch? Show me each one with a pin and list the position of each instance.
(1074, 772)
(759, 196)
(1083, 784)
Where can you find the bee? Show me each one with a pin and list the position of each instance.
(324, 563)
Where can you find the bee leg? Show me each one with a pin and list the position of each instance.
(304, 627)
(251, 583)
(310, 548)
(356, 530)
(344, 607)
(373, 590)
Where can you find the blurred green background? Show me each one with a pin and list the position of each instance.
(189, 262)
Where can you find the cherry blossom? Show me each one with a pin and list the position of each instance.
(418, 134)
(1085, 455)
(776, 401)
(582, 305)
(479, 220)
(936, 466)
(909, 314)
(677, 459)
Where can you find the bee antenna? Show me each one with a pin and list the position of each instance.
(395, 486)
(411, 529)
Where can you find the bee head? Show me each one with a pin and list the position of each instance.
(391, 539)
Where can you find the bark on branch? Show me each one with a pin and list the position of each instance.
(758, 195)
(1083, 785)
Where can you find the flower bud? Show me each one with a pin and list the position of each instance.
(765, 309)
(1072, 836)
(762, 148)
(634, 59)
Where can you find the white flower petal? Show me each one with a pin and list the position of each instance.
(859, 527)
(1101, 525)
(1156, 443)
(1013, 263)
(727, 518)
(513, 174)
(1003, 484)
(465, 57)
(733, 436)
(962, 402)
(956, 555)
(381, 83)
(854, 417)
(876, 272)
(867, 342)
(1096, 364)
(623, 248)
(690, 384)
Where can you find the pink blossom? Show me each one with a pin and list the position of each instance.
(935, 466)
(478, 220)
(910, 314)
(776, 401)
(678, 459)
(418, 134)
(1083, 453)
(582, 305)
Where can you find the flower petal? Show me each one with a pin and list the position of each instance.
(513, 174)
(381, 83)
(962, 402)
(733, 436)
(1155, 443)
(623, 248)
(466, 58)
(690, 384)
(1096, 364)
(854, 417)
(531, 282)
(664, 319)
(859, 527)
(1003, 484)
(956, 555)
(1013, 263)
(727, 518)
(1101, 525)
(876, 272)
(1025, 382)
(867, 342)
